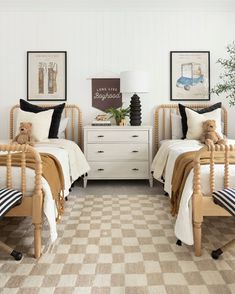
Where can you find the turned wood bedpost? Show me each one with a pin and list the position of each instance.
(9, 171)
(212, 169)
(37, 202)
(66, 130)
(226, 167)
(197, 203)
(73, 124)
(156, 130)
(23, 173)
(80, 132)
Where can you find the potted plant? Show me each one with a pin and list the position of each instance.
(119, 114)
(227, 77)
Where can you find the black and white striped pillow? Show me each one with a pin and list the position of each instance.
(8, 199)
(226, 199)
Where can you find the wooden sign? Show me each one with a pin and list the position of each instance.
(106, 93)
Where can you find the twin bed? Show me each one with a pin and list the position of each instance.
(190, 172)
(44, 173)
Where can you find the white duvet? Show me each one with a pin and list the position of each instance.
(163, 164)
(73, 163)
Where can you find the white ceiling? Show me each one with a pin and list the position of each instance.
(112, 5)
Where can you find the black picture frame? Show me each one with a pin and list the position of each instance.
(189, 75)
(47, 75)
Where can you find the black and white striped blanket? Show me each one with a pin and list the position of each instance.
(226, 199)
(8, 199)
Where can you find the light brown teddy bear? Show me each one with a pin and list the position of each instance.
(209, 134)
(24, 137)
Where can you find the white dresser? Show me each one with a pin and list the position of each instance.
(118, 152)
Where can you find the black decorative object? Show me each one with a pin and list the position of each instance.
(134, 82)
(135, 111)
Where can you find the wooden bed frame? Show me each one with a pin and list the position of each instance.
(202, 205)
(32, 205)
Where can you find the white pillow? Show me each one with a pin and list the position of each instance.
(41, 123)
(176, 127)
(63, 125)
(195, 121)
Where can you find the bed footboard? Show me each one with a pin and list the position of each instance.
(16, 155)
(201, 205)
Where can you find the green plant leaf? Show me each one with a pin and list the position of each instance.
(118, 113)
(226, 83)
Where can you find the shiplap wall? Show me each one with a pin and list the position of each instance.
(111, 41)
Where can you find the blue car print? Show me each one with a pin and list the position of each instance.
(191, 75)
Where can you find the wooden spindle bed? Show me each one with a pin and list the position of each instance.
(202, 205)
(32, 205)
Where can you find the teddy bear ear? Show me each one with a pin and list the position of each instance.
(30, 124)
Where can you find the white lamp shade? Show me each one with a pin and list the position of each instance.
(134, 82)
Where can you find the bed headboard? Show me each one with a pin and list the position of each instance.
(73, 131)
(162, 120)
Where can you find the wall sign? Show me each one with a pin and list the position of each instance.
(106, 93)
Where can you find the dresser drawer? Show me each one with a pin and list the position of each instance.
(109, 152)
(95, 136)
(119, 170)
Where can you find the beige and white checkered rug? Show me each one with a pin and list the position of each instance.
(120, 244)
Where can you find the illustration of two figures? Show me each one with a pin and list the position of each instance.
(47, 75)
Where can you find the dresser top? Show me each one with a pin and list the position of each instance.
(120, 128)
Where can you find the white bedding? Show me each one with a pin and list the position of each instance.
(164, 162)
(73, 164)
(78, 163)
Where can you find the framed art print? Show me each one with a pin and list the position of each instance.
(47, 75)
(190, 75)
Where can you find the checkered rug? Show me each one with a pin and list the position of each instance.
(117, 244)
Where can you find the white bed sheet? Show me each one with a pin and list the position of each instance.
(164, 162)
(73, 165)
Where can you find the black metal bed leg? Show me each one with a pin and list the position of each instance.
(16, 254)
(179, 242)
(215, 254)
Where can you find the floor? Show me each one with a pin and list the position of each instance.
(117, 237)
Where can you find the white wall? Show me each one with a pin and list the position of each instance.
(108, 41)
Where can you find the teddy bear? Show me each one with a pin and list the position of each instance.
(24, 137)
(209, 134)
